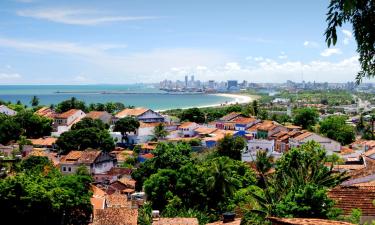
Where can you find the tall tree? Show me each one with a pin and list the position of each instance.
(34, 101)
(306, 117)
(126, 125)
(361, 14)
(335, 127)
(193, 115)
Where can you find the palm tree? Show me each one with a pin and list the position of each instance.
(219, 177)
(263, 164)
(160, 132)
(34, 101)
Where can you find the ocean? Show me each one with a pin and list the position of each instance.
(139, 95)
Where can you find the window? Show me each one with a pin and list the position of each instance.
(69, 169)
(64, 168)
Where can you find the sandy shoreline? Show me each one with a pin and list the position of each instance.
(236, 99)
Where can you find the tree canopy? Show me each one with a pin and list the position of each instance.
(335, 127)
(39, 194)
(193, 115)
(126, 125)
(231, 146)
(306, 117)
(361, 14)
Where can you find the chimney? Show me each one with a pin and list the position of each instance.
(228, 217)
(155, 215)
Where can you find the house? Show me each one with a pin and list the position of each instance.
(46, 112)
(236, 221)
(175, 221)
(97, 162)
(242, 123)
(268, 128)
(328, 144)
(212, 140)
(204, 131)
(142, 114)
(357, 192)
(64, 121)
(44, 142)
(7, 111)
(104, 116)
(255, 145)
(112, 175)
(187, 129)
(282, 139)
(226, 122)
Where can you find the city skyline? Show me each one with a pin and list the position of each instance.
(95, 42)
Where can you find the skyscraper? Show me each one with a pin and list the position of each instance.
(186, 80)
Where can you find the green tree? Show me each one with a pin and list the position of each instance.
(39, 194)
(85, 138)
(306, 117)
(255, 107)
(72, 103)
(160, 132)
(361, 14)
(231, 146)
(34, 101)
(335, 127)
(126, 125)
(145, 214)
(193, 115)
(89, 123)
(9, 129)
(34, 126)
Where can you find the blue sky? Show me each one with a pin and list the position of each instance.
(88, 42)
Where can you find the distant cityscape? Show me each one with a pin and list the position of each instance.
(191, 85)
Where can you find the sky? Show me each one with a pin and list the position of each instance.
(121, 42)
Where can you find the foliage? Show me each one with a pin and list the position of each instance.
(72, 103)
(9, 129)
(34, 101)
(299, 186)
(160, 132)
(306, 117)
(126, 125)
(231, 146)
(193, 115)
(335, 127)
(41, 195)
(85, 138)
(145, 214)
(34, 126)
(361, 14)
(89, 123)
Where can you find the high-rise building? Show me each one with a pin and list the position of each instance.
(192, 78)
(211, 84)
(186, 80)
(232, 83)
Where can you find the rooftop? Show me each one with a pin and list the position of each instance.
(115, 216)
(46, 141)
(187, 124)
(95, 114)
(305, 221)
(176, 221)
(131, 112)
(67, 114)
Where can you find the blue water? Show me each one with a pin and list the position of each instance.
(136, 95)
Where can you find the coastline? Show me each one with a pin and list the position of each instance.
(237, 98)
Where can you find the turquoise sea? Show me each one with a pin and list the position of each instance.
(135, 94)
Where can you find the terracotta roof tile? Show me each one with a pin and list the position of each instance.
(95, 114)
(187, 125)
(97, 202)
(115, 216)
(67, 114)
(303, 136)
(205, 130)
(131, 112)
(176, 221)
(235, 222)
(230, 116)
(244, 120)
(306, 221)
(47, 141)
(117, 200)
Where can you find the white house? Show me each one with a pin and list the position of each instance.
(142, 114)
(329, 144)
(104, 116)
(143, 134)
(187, 129)
(255, 145)
(64, 121)
(7, 111)
(97, 162)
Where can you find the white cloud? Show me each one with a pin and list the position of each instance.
(78, 16)
(58, 47)
(9, 76)
(347, 36)
(282, 55)
(330, 51)
(232, 66)
(310, 44)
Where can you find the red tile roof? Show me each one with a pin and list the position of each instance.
(303, 136)
(235, 222)
(305, 221)
(115, 216)
(47, 141)
(244, 120)
(350, 197)
(95, 114)
(230, 116)
(176, 221)
(67, 114)
(187, 125)
(131, 112)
